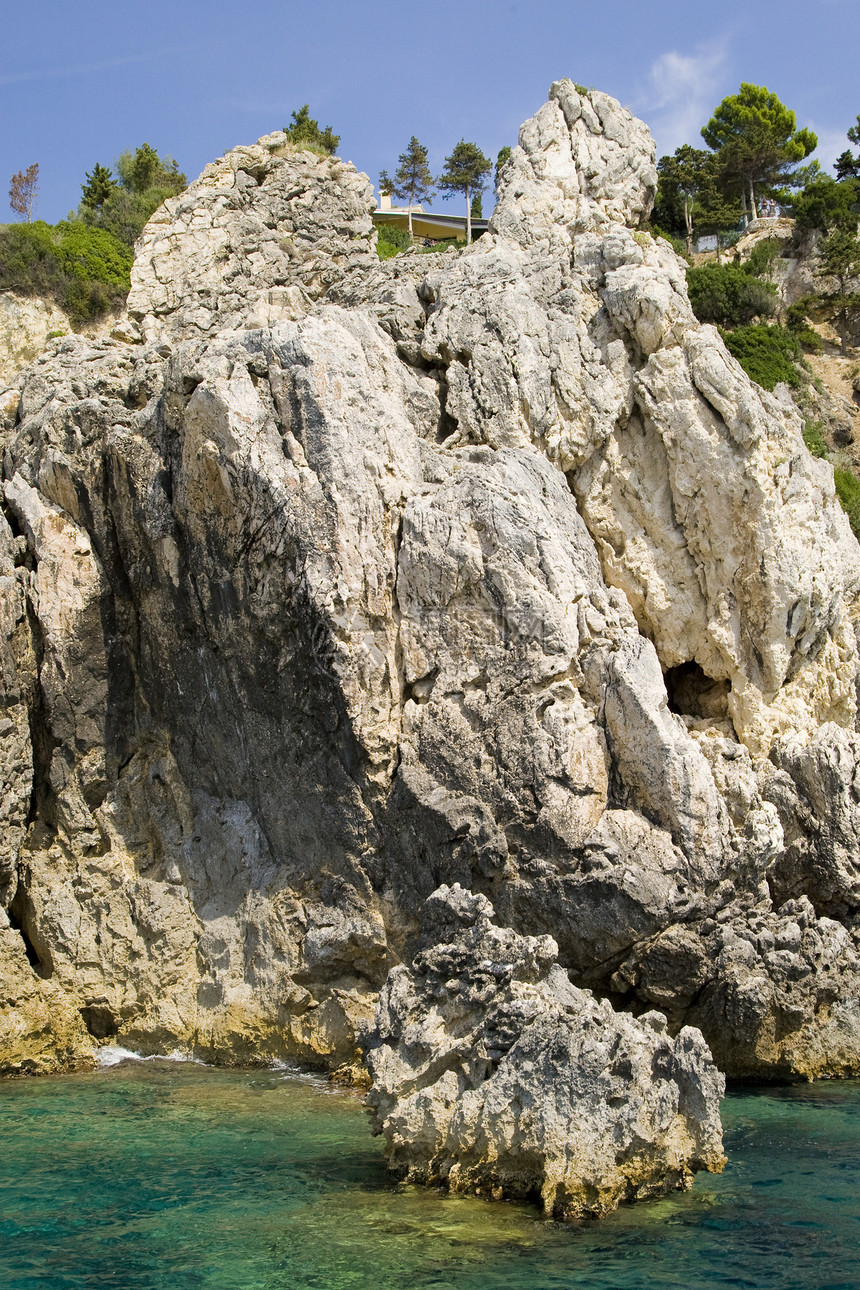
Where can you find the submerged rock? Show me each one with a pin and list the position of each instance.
(492, 1073)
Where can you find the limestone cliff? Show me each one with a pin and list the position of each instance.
(25, 326)
(328, 580)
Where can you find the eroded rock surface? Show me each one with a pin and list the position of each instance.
(327, 580)
(25, 325)
(492, 1073)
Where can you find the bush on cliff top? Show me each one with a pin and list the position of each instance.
(728, 295)
(85, 270)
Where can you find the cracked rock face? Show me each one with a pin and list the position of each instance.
(492, 1073)
(327, 580)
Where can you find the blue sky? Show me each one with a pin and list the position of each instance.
(81, 82)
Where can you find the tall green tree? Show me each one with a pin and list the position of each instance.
(681, 178)
(827, 204)
(465, 172)
(757, 140)
(413, 182)
(145, 180)
(839, 260)
(305, 132)
(847, 164)
(690, 197)
(99, 185)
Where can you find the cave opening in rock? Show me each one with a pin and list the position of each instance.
(692, 693)
(99, 1021)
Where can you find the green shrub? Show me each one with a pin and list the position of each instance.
(797, 322)
(443, 245)
(728, 295)
(813, 438)
(391, 241)
(85, 270)
(848, 492)
(766, 353)
(93, 255)
(762, 257)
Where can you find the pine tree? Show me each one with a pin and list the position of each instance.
(839, 260)
(847, 164)
(98, 188)
(756, 139)
(466, 172)
(413, 182)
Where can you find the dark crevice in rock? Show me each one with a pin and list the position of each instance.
(16, 917)
(692, 693)
(99, 1021)
(41, 737)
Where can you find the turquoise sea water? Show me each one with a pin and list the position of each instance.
(165, 1176)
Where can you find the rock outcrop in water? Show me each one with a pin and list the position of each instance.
(326, 581)
(492, 1073)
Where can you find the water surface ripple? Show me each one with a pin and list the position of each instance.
(161, 1176)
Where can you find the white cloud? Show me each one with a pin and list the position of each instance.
(82, 69)
(680, 95)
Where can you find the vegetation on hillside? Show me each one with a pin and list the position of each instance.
(85, 270)
(84, 262)
(305, 133)
(121, 206)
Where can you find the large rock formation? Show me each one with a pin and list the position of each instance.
(492, 1073)
(328, 580)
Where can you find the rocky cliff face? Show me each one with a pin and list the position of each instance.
(25, 325)
(328, 580)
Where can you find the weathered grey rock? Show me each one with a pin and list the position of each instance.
(25, 326)
(490, 568)
(262, 232)
(492, 1073)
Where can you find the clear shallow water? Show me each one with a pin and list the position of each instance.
(159, 1176)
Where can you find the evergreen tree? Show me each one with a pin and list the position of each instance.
(683, 175)
(386, 183)
(690, 196)
(305, 132)
(839, 260)
(847, 164)
(756, 139)
(145, 180)
(98, 188)
(504, 155)
(413, 182)
(827, 205)
(465, 172)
